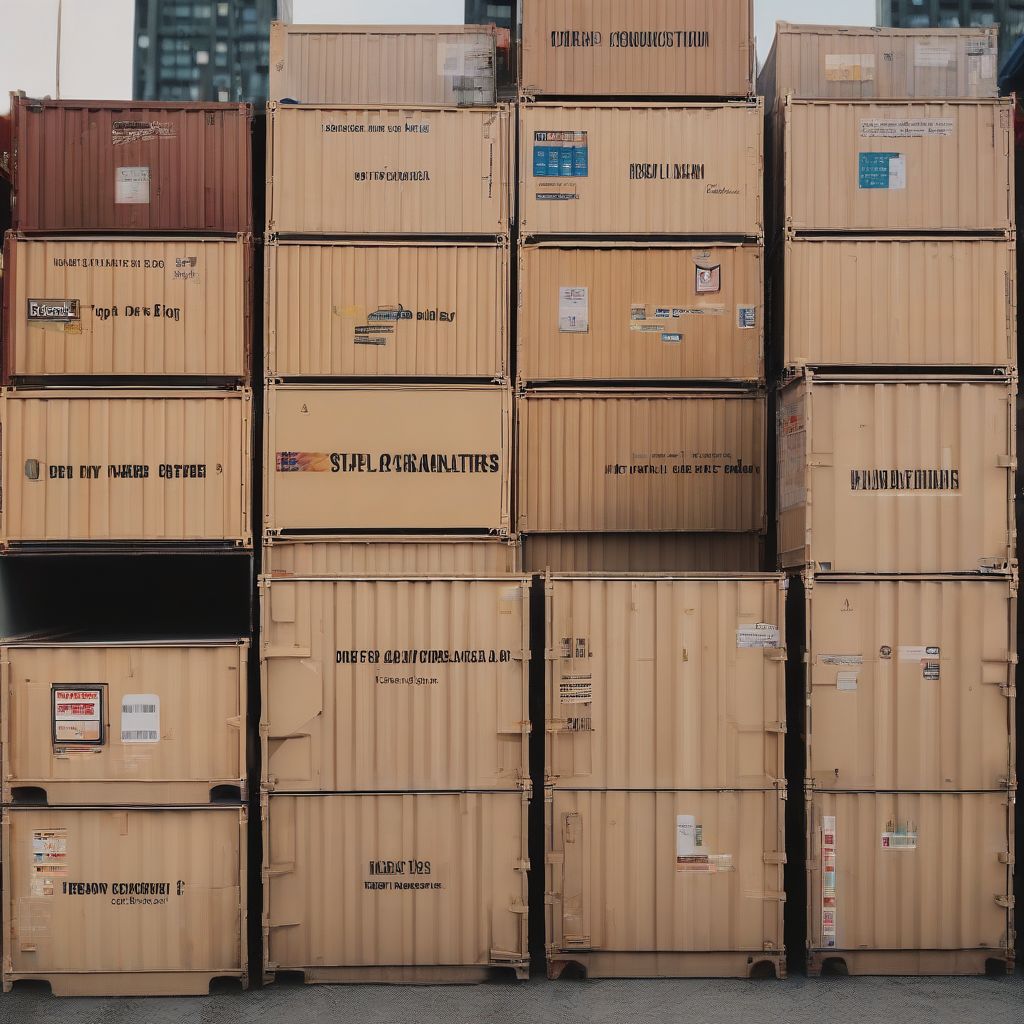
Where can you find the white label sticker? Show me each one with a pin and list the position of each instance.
(576, 690)
(573, 310)
(746, 317)
(849, 67)
(687, 836)
(907, 128)
(691, 854)
(757, 634)
(909, 653)
(140, 718)
(77, 714)
(828, 880)
(927, 55)
(902, 838)
(841, 659)
(898, 172)
(846, 680)
(49, 859)
(131, 185)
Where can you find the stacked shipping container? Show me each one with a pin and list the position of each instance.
(395, 648)
(641, 419)
(640, 329)
(125, 420)
(896, 432)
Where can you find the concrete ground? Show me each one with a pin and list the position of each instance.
(795, 1001)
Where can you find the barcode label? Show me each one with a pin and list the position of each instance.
(140, 718)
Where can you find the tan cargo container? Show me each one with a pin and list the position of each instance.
(626, 462)
(643, 552)
(386, 310)
(661, 683)
(445, 66)
(685, 169)
(124, 901)
(425, 887)
(910, 684)
(622, 312)
(113, 466)
(405, 458)
(891, 167)
(129, 307)
(668, 48)
(388, 555)
(123, 723)
(665, 884)
(388, 170)
(882, 475)
(881, 302)
(867, 63)
(387, 685)
(910, 883)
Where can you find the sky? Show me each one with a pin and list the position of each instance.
(97, 35)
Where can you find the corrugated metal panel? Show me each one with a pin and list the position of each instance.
(921, 882)
(453, 65)
(388, 555)
(128, 307)
(619, 313)
(910, 684)
(643, 552)
(686, 169)
(404, 458)
(922, 302)
(108, 724)
(889, 475)
(666, 884)
(158, 466)
(86, 165)
(665, 683)
(628, 462)
(350, 310)
(385, 685)
(396, 887)
(158, 905)
(862, 166)
(427, 171)
(638, 47)
(864, 63)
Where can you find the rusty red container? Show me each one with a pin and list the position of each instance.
(82, 165)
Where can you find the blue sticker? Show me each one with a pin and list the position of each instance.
(560, 155)
(672, 338)
(875, 170)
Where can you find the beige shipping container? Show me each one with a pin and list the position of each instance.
(910, 883)
(685, 169)
(625, 312)
(616, 461)
(120, 466)
(666, 884)
(868, 63)
(382, 685)
(910, 684)
(883, 475)
(661, 683)
(380, 170)
(668, 48)
(446, 66)
(390, 555)
(899, 302)
(891, 167)
(123, 723)
(433, 457)
(643, 552)
(343, 309)
(397, 887)
(88, 307)
(124, 901)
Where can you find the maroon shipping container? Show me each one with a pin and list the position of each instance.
(80, 165)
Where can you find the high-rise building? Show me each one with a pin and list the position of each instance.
(490, 12)
(204, 51)
(1008, 14)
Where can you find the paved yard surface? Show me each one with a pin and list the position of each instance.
(798, 1000)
